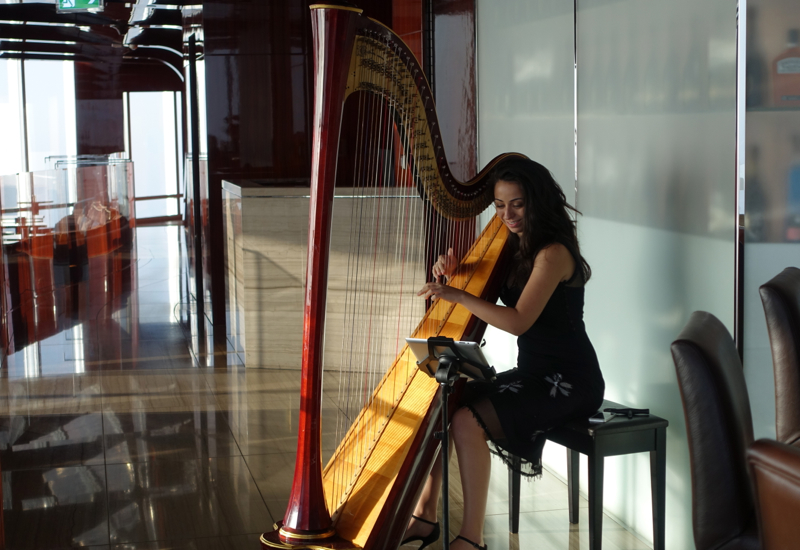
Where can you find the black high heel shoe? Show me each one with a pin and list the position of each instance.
(475, 544)
(430, 538)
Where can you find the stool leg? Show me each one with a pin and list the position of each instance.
(658, 486)
(573, 483)
(595, 502)
(513, 495)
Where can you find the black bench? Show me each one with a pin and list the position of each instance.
(618, 436)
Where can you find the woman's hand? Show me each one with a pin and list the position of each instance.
(435, 290)
(445, 265)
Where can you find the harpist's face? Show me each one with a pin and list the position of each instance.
(509, 204)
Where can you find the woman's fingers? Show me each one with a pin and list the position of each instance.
(438, 291)
(446, 264)
(429, 290)
(439, 266)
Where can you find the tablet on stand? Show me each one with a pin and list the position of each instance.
(446, 359)
(473, 364)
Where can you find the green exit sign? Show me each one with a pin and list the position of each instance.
(80, 5)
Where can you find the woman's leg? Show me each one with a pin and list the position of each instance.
(474, 461)
(429, 498)
(428, 503)
(473, 457)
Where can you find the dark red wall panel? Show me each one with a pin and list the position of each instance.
(407, 23)
(100, 126)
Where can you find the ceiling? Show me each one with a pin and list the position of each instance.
(129, 43)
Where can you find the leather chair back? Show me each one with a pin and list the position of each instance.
(775, 469)
(781, 299)
(719, 429)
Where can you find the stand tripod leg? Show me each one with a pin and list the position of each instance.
(444, 453)
(446, 375)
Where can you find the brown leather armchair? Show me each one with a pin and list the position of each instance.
(781, 299)
(719, 429)
(775, 470)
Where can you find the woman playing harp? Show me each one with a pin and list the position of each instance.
(365, 495)
(557, 376)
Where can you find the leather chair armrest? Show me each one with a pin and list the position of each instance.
(775, 471)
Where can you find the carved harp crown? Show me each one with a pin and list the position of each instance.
(365, 495)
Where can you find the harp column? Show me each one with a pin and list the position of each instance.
(307, 518)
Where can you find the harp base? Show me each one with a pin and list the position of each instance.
(323, 541)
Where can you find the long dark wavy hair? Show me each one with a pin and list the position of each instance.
(546, 219)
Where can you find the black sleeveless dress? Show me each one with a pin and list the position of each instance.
(557, 379)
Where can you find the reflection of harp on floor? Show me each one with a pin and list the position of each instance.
(364, 496)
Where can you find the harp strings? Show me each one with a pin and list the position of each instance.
(370, 261)
(394, 239)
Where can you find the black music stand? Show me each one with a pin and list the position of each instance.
(447, 361)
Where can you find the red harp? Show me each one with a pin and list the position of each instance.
(364, 496)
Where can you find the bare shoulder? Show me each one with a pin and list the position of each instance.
(558, 258)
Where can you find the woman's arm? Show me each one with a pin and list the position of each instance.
(552, 265)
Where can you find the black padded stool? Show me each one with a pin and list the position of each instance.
(618, 436)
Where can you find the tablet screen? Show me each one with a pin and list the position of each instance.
(474, 364)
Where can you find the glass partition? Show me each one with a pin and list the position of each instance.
(50, 111)
(154, 149)
(772, 182)
(66, 248)
(12, 155)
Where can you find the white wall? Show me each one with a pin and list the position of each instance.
(526, 85)
(656, 92)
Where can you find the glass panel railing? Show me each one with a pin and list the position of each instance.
(66, 246)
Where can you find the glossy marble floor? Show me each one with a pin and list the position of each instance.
(119, 433)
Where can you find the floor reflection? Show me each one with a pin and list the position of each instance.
(117, 433)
